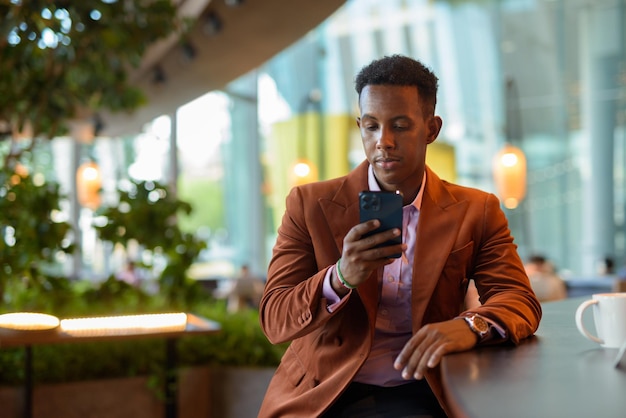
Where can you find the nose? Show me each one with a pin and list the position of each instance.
(385, 140)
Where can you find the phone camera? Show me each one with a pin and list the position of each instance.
(370, 202)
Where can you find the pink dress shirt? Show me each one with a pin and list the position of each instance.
(393, 321)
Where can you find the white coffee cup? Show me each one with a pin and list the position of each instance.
(609, 315)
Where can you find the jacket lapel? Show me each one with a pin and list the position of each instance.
(441, 217)
(342, 213)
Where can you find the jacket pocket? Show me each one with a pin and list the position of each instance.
(458, 262)
(455, 276)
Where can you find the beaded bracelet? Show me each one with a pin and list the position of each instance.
(341, 279)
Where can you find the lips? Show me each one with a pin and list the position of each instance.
(387, 163)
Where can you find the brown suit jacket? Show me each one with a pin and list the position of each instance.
(462, 234)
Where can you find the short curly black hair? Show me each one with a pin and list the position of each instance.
(400, 70)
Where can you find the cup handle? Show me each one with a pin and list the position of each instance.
(579, 321)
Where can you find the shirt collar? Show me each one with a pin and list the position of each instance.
(375, 187)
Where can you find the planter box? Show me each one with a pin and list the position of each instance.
(204, 392)
(237, 392)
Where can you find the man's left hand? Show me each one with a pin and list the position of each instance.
(426, 348)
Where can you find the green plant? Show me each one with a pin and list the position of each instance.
(65, 58)
(30, 236)
(240, 342)
(147, 214)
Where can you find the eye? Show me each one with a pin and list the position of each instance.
(399, 127)
(371, 127)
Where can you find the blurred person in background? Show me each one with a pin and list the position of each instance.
(245, 291)
(546, 283)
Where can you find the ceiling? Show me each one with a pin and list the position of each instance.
(251, 33)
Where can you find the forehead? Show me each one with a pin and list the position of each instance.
(386, 97)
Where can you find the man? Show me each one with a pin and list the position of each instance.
(367, 329)
(546, 283)
(246, 291)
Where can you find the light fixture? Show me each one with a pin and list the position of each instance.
(212, 24)
(28, 321)
(509, 170)
(233, 3)
(158, 75)
(88, 185)
(124, 324)
(95, 326)
(302, 172)
(188, 51)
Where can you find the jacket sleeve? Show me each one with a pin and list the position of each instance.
(500, 278)
(293, 304)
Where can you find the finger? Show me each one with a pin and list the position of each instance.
(387, 252)
(381, 237)
(419, 361)
(423, 351)
(382, 245)
(408, 357)
(415, 366)
(357, 231)
(435, 357)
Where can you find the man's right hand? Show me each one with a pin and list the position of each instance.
(361, 256)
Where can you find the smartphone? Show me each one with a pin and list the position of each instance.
(387, 208)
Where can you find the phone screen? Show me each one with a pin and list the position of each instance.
(387, 208)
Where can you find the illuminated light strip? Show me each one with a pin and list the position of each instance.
(127, 324)
(28, 321)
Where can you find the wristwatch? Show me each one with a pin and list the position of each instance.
(479, 326)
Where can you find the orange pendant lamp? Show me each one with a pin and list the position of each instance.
(509, 170)
(303, 171)
(88, 185)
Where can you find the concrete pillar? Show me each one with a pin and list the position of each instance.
(245, 211)
(599, 50)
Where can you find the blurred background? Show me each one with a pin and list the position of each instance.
(233, 109)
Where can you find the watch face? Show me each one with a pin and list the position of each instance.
(480, 324)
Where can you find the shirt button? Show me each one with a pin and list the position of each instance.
(385, 312)
(390, 279)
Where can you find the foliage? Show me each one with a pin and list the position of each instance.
(31, 239)
(147, 214)
(62, 58)
(239, 343)
(30, 236)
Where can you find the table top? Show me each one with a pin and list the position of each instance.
(195, 325)
(557, 373)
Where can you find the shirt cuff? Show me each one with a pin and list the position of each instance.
(334, 300)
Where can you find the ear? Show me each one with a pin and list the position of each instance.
(434, 127)
(358, 122)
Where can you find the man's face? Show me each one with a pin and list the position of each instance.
(395, 134)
